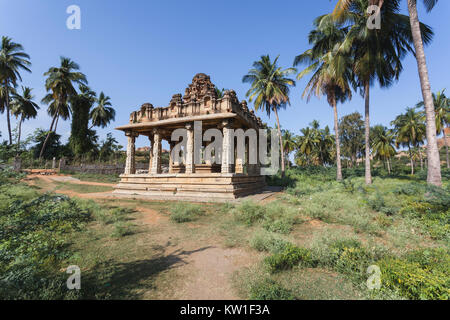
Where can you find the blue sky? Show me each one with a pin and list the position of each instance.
(145, 51)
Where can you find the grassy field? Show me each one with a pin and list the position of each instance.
(314, 241)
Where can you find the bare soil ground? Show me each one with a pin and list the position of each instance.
(200, 268)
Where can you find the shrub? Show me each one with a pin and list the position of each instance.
(268, 289)
(267, 241)
(288, 258)
(414, 281)
(185, 212)
(122, 229)
(249, 212)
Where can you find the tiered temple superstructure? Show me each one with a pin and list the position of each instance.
(185, 179)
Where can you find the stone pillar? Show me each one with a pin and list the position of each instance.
(150, 138)
(54, 163)
(240, 160)
(130, 164)
(227, 151)
(156, 157)
(190, 166)
(171, 145)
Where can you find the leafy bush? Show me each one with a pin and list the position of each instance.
(288, 258)
(185, 212)
(413, 280)
(121, 229)
(34, 238)
(268, 241)
(268, 289)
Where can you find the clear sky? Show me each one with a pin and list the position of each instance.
(145, 51)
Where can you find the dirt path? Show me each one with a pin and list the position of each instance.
(207, 267)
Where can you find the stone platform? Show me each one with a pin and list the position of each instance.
(191, 187)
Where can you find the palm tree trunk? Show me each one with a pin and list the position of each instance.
(281, 141)
(421, 159)
(8, 117)
(411, 160)
(368, 175)
(48, 136)
(446, 149)
(338, 143)
(434, 165)
(388, 166)
(19, 134)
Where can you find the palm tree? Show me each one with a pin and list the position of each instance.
(331, 71)
(377, 53)
(24, 108)
(80, 105)
(442, 112)
(419, 39)
(60, 82)
(289, 143)
(270, 87)
(383, 144)
(102, 114)
(307, 143)
(410, 132)
(12, 60)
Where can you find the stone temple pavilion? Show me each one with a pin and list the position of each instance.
(186, 180)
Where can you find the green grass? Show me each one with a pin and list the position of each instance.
(81, 188)
(315, 242)
(105, 178)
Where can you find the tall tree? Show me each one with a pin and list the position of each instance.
(12, 60)
(377, 53)
(419, 39)
(383, 141)
(270, 88)
(81, 104)
(289, 143)
(351, 129)
(410, 131)
(103, 113)
(59, 83)
(442, 113)
(24, 108)
(331, 70)
(307, 144)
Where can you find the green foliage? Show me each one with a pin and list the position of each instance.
(422, 275)
(268, 241)
(248, 212)
(34, 236)
(275, 217)
(268, 289)
(185, 212)
(122, 229)
(288, 258)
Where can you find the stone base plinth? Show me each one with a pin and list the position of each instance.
(201, 187)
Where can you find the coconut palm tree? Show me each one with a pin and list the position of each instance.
(331, 71)
(24, 108)
(12, 60)
(289, 143)
(377, 53)
(419, 39)
(383, 141)
(60, 83)
(410, 131)
(442, 113)
(307, 143)
(103, 113)
(270, 88)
